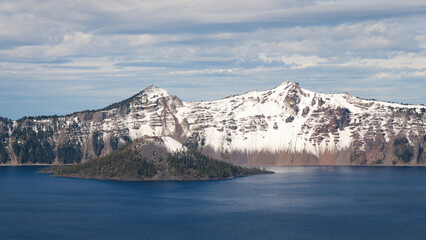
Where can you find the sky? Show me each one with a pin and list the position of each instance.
(58, 57)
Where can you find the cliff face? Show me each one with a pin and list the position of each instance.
(282, 126)
(87, 135)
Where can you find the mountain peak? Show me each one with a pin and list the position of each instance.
(284, 125)
(154, 91)
(287, 85)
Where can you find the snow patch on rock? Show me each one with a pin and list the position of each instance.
(172, 145)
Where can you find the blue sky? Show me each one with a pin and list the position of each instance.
(57, 57)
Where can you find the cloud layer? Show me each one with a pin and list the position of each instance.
(59, 57)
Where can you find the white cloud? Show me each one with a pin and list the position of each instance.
(399, 61)
(295, 61)
(214, 44)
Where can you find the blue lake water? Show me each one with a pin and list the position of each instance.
(296, 203)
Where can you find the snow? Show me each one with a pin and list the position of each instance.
(154, 92)
(269, 106)
(246, 122)
(341, 101)
(172, 145)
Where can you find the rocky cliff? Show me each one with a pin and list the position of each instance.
(286, 125)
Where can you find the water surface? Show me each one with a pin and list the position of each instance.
(295, 203)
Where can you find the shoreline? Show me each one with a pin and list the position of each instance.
(263, 166)
(151, 179)
(25, 165)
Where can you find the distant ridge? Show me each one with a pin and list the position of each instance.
(286, 125)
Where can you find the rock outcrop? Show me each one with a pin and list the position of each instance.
(286, 125)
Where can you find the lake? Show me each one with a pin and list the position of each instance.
(295, 203)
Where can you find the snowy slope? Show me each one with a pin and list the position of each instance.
(288, 118)
(281, 123)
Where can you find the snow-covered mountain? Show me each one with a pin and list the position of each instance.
(284, 125)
